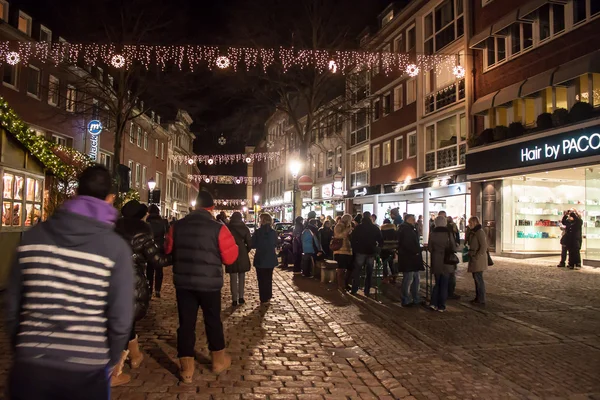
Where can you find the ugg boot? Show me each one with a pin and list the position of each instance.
(221, 361)
(341, 279)
(118, 378)
(135, 355)
(186, 369)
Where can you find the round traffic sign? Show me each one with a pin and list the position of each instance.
(305, 183)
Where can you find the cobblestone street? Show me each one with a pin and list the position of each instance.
(537, 337)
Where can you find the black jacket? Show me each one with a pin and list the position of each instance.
(573, 231)
(409, 249)
(243, 239)
(325, 235)
(139, 236)
(159, 227)
(366, 237)
(390, 240)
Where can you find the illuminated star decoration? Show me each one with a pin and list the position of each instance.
(459, 72)
(223, 62)
(117, 61)
(13, 58)
(412, 70)
(222, 140)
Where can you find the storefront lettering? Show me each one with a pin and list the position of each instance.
(552, 152)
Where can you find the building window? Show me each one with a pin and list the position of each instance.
(21, 200)
(320, 164)
(53, 90)
(138, 174)
(139, 136)
(445, 143)
(144, 172)
(145, 140)
(399, 149)
(162, 151)
(359, 128)
(387, 152)
(550, 21)
(106, 160)
(130, 165)
(387, 18)
(387, 103)
(442, 88)
(376, 109)
(59, 140)
(330, 156)
(376, 156)
(444, 25)
(159, 180)
(45, 34)
(359, 168)
(338, 158)
(11, 75)
(411, 39)
(24, 24)
(495, 51)
(71, 98)
(411, 91)
(95, 109)
(4, 10)
(399, 44)
(156, 148)
(398, 97)
(412, 145)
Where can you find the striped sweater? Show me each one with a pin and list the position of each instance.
(70, 299)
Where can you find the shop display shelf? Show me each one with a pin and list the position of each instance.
(550, 202)
(540, 215)
(535, 226)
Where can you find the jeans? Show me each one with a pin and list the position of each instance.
(360, 260)
(152, 273)
(387, 261)
(479, 287)
(236, 284)
(439, 294)
(188, 302)
(265, 283)
(411, 282)
(451, 283)
(38, 382)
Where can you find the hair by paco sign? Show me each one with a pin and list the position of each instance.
(561, 147)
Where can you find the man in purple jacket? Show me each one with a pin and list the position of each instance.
(70, 299)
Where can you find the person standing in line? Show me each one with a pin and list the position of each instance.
(237, 270)
(410, 261)
(441, 241)
(200, 246)
(69, 299)
(311, 247)
(396, 217)
(146, 253)
(420, 226)
(264, 241)
(366, 241)
(325, 235)
(297, 245)
(388, 250)
(159, 227)
(374, 219)
(478, 260)
(451, 226)
(343, 256)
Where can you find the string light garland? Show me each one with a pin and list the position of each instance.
(226, 158)
(233, 202)
(225, 179)
(192, 57)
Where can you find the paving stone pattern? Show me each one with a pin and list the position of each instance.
(537, 338)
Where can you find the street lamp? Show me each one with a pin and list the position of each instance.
(151, 184)
(256, 197)
(193, 203)
(295, 170)
(151, 187)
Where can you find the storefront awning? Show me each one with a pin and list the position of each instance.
(508, 94)
(505, 21)
(528, 8)
(483, 104)
(537, 82)
(478, 40)
(577, 67)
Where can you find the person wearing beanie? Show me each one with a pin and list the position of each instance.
(146, 253)
(200, 246)
(67, 268)
(442, 243)
(159, 227)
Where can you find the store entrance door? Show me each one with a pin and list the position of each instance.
(489, 214)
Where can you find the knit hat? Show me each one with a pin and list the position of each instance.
(441, 221)
(204, 200)
(133, 209)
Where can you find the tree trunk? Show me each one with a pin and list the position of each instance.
(120, 123)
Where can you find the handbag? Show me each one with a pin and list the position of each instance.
(336, 244)
(489, 259)
(450, 257)
(465, 254)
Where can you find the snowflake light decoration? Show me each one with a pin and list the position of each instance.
(117, 61)
(223, 62)
(222, 140)
(333, 66)
(412, 70)
(459, 72)
(13, 58)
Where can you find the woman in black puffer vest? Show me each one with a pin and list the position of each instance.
(145, 251)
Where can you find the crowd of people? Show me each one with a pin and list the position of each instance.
(84, 277)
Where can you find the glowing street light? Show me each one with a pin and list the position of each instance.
(151, 184)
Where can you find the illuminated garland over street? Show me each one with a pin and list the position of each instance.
(225, 179)
(231, 202)
(193, 57)
(227, 158)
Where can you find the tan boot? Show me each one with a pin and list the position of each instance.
(135, 355)
(118, 378)
(221, 361)
(186, 369)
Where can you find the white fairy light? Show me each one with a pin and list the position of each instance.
(248, 160)
(412, 70)
(13, 58)
(210, 161)
(459, 72)
(207, 180)
(238, 181)
(223, 62)
(117, 61)
(190, 161)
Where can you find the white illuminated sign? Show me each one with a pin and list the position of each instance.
(572, 146)
(326, 191)
(94, 128)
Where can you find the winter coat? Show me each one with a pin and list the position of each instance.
(297, 239)
(264, 241)
(390, 240)
(410, 258)
(454, 229)
(477, 250)
(310, 240)
(139, 236)
(160, 228)
(243, 239)
(200, 246)
(325, 235)
(342, 231)
(573, 235)
(439, 240)
(366, 238)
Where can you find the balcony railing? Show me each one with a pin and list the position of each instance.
(445, 97)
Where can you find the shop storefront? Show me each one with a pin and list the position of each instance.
(524, 192)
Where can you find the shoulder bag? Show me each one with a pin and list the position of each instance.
(336, 244)
(450, 257)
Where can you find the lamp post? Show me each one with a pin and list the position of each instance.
(295, 170)
(151, 187)
(256, 197)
